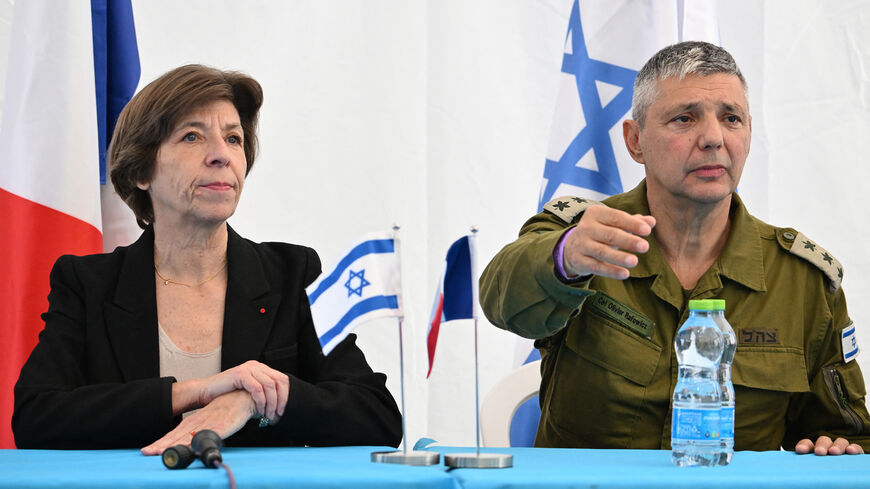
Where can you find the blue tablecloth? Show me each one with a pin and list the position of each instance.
(350, 467)
(549, 468)
(338, 467)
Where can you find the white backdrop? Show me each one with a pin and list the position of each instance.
(436, 116)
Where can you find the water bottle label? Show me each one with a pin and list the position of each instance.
(726, 423)
(695, 424)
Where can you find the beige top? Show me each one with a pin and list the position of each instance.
(175, 362)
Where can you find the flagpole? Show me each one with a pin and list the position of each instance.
(404, 457)
(402, 387)
(477, 460)
(476, 390)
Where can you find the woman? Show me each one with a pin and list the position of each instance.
(192, 319)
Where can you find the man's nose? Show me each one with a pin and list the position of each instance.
(710, 134)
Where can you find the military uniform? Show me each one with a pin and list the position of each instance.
(607, 346)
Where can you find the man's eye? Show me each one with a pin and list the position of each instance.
(682, 119)
(733, 119)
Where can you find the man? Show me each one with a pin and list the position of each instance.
(604, 288)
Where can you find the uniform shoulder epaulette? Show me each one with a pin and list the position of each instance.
(798, 244)
(568, 208)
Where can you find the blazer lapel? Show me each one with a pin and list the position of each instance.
(131, 319)
(251, 304)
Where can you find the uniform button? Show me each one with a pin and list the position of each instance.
(788, 236)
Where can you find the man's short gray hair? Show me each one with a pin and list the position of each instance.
(679, 60)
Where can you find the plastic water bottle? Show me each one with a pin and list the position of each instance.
(697, 398)
(726, 417)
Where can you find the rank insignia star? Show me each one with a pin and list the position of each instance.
(810, 245)
(579, 200)
(840, 272)
(561, 205)
(362, 282)
(828, 258)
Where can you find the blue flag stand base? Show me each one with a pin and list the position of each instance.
(478, 460)
(414, 457)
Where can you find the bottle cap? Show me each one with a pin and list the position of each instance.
(718, 304)
(701, 305)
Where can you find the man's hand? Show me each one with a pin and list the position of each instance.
(226, 414)
(824, 446)
(596, 246)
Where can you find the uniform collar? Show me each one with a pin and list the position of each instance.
(740, 261)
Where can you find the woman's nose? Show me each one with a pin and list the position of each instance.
(218, 153)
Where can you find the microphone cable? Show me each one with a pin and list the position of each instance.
(229, 474)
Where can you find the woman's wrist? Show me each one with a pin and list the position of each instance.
(186, 396)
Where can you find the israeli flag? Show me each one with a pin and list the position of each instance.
(365, 284)
(606, 44)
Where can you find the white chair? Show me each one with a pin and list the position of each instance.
(502, 401)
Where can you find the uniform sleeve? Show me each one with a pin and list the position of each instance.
(335, 399)
(57, 406)
(520, 290)
(835, 405)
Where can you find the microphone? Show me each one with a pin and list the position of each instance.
(207, 445)
(178, 457)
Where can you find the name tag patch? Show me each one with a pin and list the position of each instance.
(622, 314)
(850, 343)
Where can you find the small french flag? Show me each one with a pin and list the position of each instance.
(456, 295)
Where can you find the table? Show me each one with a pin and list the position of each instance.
(296, 467)
(554, 468)
(350, 467)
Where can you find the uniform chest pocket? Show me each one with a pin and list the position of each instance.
(600, 382)
(765, 378)
(770, 368)
(284, 359)
(611, 346)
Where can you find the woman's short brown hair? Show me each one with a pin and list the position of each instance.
(149, 118)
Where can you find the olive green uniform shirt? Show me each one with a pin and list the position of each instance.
(607, 346)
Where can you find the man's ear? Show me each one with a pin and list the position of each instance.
(631, 135)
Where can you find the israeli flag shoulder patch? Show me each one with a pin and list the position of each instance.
(850, 343)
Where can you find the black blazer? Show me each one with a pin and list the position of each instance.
(93, 380)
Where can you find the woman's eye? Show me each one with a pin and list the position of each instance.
(234, 140)
(191, 137)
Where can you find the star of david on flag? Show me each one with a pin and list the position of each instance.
(456, 294)
(364, 284)
(355, 287)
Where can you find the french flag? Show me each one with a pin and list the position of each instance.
(456, 295)
(72, 67)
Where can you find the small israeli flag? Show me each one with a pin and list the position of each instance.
(365, 284)
(850, 343)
